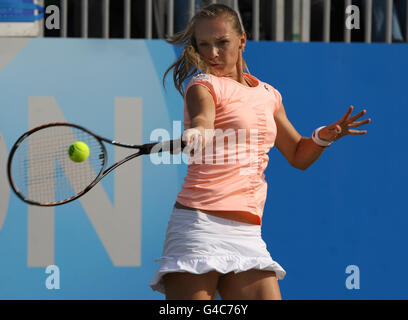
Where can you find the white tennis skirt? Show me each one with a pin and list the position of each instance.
(198, 243)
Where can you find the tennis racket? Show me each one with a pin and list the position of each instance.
(41, 173)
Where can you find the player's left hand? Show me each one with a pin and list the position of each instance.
(343, 127)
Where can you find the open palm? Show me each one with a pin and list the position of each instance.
(344, 126)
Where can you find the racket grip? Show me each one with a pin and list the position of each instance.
(157, 147)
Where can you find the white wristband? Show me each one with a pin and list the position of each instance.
(317, 140)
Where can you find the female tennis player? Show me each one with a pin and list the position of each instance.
(213, 241)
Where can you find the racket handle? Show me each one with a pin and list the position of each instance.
(157, 147)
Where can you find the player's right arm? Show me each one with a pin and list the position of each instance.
(201, 109)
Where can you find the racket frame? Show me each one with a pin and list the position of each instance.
(143, 149)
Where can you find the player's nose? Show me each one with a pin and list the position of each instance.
(214, 52)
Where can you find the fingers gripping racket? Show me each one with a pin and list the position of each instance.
(41, 172)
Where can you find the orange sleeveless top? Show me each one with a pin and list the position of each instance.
(228, 175)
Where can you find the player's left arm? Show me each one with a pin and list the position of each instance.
(300, 151)
(287, 138)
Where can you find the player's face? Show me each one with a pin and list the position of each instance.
(219, 45)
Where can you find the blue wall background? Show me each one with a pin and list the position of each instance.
(348, 208)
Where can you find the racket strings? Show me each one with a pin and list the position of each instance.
(42, 170)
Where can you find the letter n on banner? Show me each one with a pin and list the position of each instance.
(118, 226)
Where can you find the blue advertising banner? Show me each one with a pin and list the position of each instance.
(334, 227)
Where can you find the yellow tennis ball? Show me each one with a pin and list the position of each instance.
(78, 151)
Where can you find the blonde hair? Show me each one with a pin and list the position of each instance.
(190, 61)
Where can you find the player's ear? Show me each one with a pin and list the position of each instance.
(243, 40)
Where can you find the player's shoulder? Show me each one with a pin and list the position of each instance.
(205, 79)
(273, 91)
(201, 76)
(208, 77)
(269, 87)
(208, 81)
